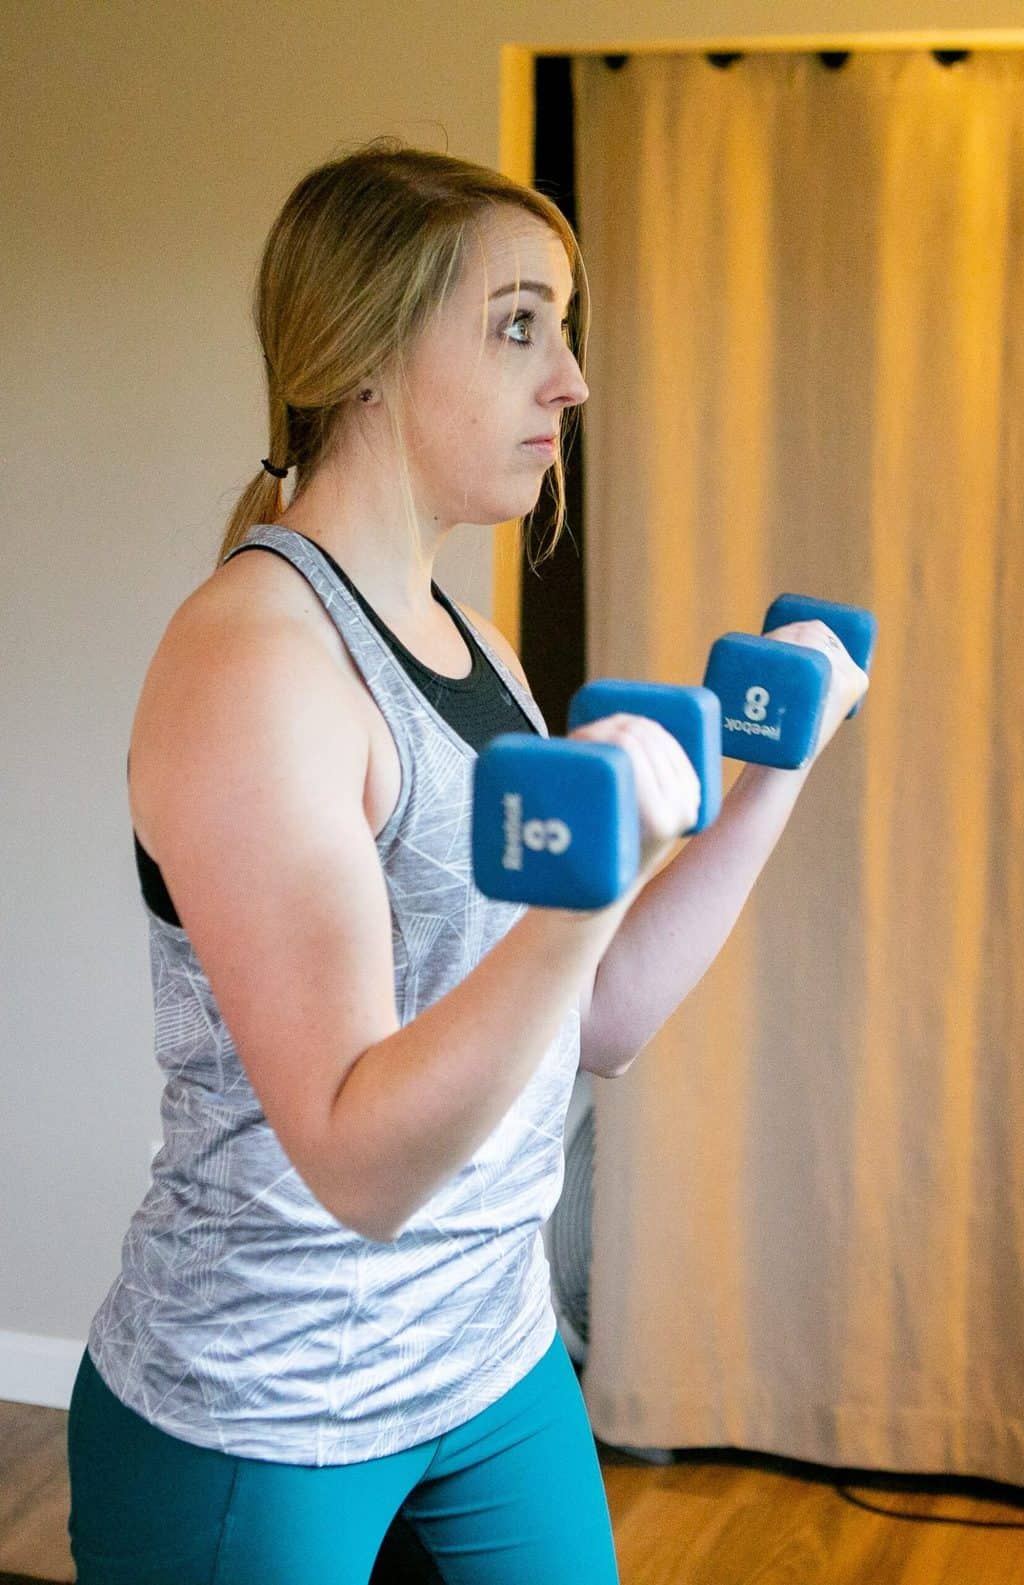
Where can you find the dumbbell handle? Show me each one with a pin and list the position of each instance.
(854, 626)
(556, 822)
(692, 715)
(773, 692)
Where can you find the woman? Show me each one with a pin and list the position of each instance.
(333, 1304)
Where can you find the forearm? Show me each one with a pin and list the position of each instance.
(417, 1105)
(682, 918)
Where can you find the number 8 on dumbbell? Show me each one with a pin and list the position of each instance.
(773, 693)
(556, 823)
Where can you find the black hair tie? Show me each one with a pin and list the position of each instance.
(279, 473)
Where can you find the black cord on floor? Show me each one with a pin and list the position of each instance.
(927, 1518)
(970, 1487)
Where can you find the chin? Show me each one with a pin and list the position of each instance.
(492, 516)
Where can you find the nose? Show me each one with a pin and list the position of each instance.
(569, 381)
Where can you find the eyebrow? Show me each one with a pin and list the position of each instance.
(539, 287)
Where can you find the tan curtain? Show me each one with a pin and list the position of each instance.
(807, 373)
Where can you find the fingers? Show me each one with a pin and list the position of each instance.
(813, 632)
(668, 787)
(849, 682)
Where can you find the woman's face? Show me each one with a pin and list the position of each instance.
(492, 370)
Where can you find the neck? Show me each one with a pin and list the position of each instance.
(370, 539)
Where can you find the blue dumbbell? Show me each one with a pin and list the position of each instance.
(773, 693)
(856, 629)
(555, 823)
(692, 715)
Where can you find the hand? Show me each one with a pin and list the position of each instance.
(847, 685)
(668, 790)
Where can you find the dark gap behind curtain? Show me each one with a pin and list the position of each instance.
(552, 633)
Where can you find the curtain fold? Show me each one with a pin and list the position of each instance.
(806, 374)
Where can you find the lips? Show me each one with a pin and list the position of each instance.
(536, 439)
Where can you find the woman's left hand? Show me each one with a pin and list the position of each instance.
(847, 684)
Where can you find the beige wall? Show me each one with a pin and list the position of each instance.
(146, 151)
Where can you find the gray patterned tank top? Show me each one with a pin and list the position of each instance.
(245, 1316)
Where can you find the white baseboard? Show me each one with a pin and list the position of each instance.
(38, 1369)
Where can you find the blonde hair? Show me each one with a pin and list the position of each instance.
(363, 252)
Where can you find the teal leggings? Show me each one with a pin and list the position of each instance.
(512, 1497)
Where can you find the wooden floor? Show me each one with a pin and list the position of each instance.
(680, 1524)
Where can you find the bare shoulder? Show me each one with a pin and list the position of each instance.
(246, 610)
(497, 640)
(253, 589)
(252, 627)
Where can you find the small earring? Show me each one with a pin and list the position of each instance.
(364, 396)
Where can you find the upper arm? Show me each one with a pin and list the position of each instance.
(586, 1023)
(251, 760)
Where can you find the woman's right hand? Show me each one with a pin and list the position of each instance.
(668, 790)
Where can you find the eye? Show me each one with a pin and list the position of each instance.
(526, 316)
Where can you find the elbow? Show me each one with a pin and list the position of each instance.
(358, 1206)
(349, 1213)
(612, 1066)
(376, 1233)
(382, 1224)
(373, 1228)
(369, 1222)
